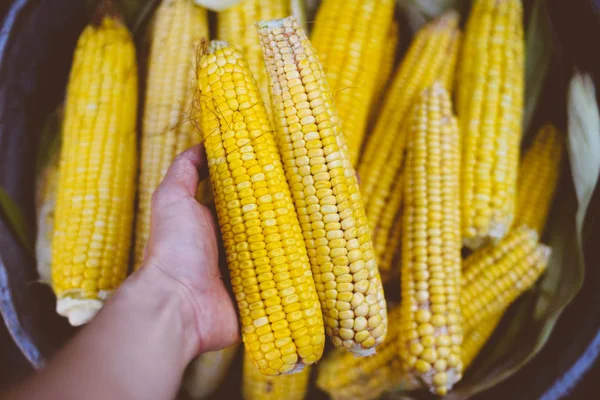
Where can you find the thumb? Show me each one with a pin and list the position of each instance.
(182, 178)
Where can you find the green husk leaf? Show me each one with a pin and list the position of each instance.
(538, 50)
(15, 218)
(49, 141)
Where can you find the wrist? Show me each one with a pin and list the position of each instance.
(166, 302)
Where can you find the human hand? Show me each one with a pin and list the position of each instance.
(182, 254)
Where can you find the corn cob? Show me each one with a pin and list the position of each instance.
(538, 178)
(447, 73)
(96, 186)
(343, 376)
(431, 332)
(167, 129)
(282, 325)
(388, 231)
(477, 337)
(236, 26)
(425, 62)
(387, 65)
(325, 189)
(45, 205)
(204, 375)
(390, 259)
(490, 278)
(349, 39)
(257, 386)
(489, 289)
(490, 103)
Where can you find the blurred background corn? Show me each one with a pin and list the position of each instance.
(346, 377)
(205, 373)
(388, 232)
(381, 164)
(490, 108)
(430, 317)
(494, 277)
(96, 185)
(538, 178)
(476, 338)
(386, 67)
(171, 101)
(325, 189)
(256, 386)
(236, 25)
(349, 39)
(282, 324)
(488, 287)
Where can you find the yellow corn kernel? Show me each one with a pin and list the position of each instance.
(495, 276)
(96, 186)
(324, 188)
(426, 62)
(387, 66)
(205, 373)
(431, 244)
(236, 26)
(282, 324)
(447, 72)
(476, 338)
(388, 231)
(538, 177)
(167, 126)
(490, 103)
(257, 386)
(349, 39)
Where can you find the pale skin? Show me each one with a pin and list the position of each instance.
(174, 308)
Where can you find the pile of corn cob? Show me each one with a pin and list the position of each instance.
(333, 172)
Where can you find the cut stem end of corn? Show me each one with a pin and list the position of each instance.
(80, 311)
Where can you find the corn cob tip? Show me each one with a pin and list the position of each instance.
(106, 8)
(80, 311)
(297, 368)
(448, 19)
(276, 23)
(437, 88)
(217, 45)
(546, 252)
(358, 351)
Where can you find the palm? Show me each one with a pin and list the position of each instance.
(183, 245)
